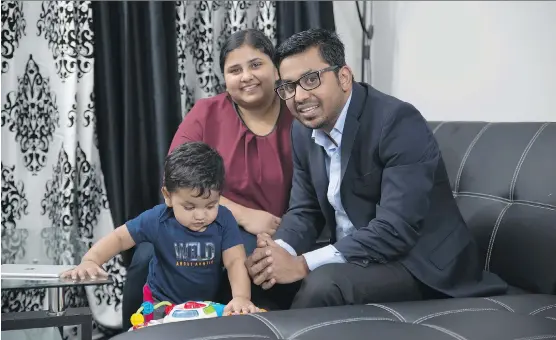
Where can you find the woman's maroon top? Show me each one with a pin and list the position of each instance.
(258, 168)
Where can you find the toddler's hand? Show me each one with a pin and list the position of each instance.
(240, 305)
(86, 268)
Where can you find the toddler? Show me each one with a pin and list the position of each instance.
(192, 235)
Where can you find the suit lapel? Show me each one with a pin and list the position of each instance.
(351, 125)
(319, 170)
(321, 181)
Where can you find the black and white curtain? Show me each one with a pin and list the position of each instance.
(54, 204)
(202, 27)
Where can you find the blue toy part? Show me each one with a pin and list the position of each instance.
(219, 308)
(148, 308)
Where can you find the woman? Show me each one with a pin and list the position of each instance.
(250, 127)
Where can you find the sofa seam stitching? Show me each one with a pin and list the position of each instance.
(430, 316)
(446, 331)
(390, 310)
(493, 236)
(466, 155)
(542, 309)
(334, 322)
(268, 324)
(522, 159)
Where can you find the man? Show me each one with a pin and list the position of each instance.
(367, 166)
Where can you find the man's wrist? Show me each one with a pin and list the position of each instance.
(303, 267)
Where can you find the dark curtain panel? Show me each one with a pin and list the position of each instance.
(297, 16)
(137, 100)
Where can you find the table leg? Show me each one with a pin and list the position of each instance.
(87, 329)
(56, 303)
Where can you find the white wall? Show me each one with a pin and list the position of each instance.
(349, 30)
(493, 61)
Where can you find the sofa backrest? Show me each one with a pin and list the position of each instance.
(503, 176)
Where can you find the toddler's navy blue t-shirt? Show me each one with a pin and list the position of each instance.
(187, 265)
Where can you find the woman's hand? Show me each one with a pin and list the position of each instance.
(259, 221)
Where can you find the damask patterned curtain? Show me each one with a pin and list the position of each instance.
(202, 28)
(54, 204)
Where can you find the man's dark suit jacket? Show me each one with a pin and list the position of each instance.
(396, 192)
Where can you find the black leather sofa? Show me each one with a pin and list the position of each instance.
(503, 176)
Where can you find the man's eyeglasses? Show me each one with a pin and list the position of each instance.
(308, 82)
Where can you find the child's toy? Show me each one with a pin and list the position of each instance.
(146, 309)
(191, 310)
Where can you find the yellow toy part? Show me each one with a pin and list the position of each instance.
(137, 319)
(147, 308)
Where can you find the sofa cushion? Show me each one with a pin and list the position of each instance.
(503, 317)
(503, 176)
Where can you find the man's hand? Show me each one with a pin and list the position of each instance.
(270, 264)
(258, 264)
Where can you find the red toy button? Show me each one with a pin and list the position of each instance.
(193, 305)
(168, 309)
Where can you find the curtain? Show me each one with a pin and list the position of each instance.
(202, 27)
(296, 16)
(54, 202)
(138, 105)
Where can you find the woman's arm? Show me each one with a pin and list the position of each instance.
(239, 211)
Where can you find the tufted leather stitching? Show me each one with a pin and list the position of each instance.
(536, 204)
(493, 236)
(466, 155)
(505, 200)
(446, 331)
(542, 309)
(335, 322)
(539, 337)
(388, 309)
(522, 159)
(485, 196)
(430, 316)
(268, 324)
(438, 127)
(232, 336)
(501, 304)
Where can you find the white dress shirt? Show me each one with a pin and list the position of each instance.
(344, 227)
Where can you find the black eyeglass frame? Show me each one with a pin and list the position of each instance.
(298, 81)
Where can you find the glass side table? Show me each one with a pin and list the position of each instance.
(57, 313)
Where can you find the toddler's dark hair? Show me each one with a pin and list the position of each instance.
(196, 166)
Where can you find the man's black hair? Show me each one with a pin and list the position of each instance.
(331, 48)
(194, 165)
